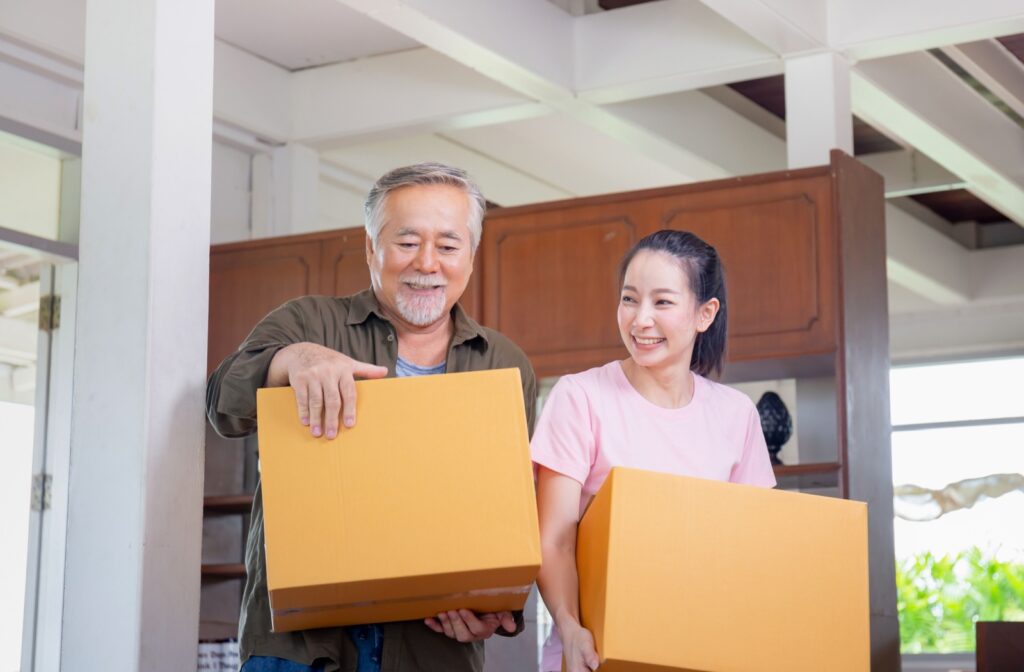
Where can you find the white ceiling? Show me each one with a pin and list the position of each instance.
(495, 87)
(297, 34)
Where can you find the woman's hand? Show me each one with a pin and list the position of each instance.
(578, 649)
(465, 626)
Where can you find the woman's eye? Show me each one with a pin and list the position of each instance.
(664, 302)
(627, 299)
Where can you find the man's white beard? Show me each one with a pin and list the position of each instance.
(420, 310)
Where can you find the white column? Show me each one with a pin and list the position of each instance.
(818, 113)
(135, 503)
(285, 191)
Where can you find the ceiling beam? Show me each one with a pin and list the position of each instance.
(786, 27)
(974, 330)
(684, 46)
(487, 37)
(46, 108)
(865, 29)
(251, 93)
(419, 90)
(995, 67)
(915, 98)
(924, 261)
(909, 172)
(751, 148)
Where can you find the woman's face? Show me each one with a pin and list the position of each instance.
(659, 316)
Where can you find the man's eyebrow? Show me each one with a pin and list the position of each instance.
(455, 235)
(406, 231)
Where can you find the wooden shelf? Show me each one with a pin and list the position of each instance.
(805, 476)
(227, 504)
(222, 572)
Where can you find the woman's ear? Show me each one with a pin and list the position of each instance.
(706, 314)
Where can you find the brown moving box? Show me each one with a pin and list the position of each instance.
(427, 504)
(685, 574)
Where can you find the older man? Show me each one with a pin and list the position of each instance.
(423, 224)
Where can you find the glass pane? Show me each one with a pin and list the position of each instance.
(967, 564)
(958, 391)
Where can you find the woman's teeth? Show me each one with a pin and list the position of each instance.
(647, 341)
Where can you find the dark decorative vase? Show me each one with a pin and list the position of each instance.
(776, 423)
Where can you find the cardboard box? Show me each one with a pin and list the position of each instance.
(687, 574)
(427, 504)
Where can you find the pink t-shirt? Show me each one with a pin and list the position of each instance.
(596, 420)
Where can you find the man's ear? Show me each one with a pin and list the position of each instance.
(369, 250)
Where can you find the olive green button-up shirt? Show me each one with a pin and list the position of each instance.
(355, 326)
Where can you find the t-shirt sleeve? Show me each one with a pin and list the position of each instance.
(754, 466)
(564, 439)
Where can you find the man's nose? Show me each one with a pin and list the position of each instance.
(426, 260)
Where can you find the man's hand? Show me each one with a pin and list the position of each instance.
(324, 384)
(465, 626)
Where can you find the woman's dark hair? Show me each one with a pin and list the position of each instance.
(704, 269)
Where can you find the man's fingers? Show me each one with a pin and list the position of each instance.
(332, 409)
(347, 385)
(479, 629)
(364, 370)
(302, 400)
(434, 625)
(462, 633)
(316, 408)
(446, 625)
(507, 620)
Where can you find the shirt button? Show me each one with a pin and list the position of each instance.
(391, 337)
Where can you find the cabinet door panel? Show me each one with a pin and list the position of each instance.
(246, 284)
(777, 244)
(551, 285)
(343, 263)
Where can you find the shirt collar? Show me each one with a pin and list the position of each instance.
(365, 304)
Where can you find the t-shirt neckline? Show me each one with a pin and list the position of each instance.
(697, 397)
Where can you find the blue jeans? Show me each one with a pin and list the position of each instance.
(369, 641)
(268, 664)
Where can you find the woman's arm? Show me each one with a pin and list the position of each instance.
(558, 505)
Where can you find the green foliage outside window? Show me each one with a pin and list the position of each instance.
(940, 598)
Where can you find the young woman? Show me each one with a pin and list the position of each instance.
(655, 410)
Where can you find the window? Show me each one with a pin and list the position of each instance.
(958, 473)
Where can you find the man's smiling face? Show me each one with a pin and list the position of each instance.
(422, 259)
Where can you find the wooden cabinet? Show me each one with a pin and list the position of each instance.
(551, 270)
(550, 283)
(248, 280)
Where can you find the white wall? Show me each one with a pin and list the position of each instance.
(29, 187)
(230, 203)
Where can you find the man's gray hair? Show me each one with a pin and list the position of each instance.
(423, 174)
